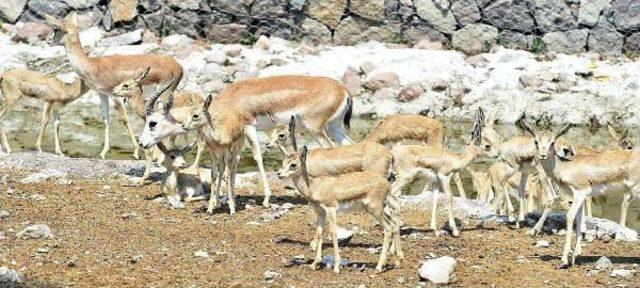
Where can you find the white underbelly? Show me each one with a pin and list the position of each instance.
(600, 189)
(264, 122)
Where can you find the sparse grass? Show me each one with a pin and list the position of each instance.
(538, 45)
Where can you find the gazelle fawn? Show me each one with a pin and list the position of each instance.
(20, 83)
(186, 184)
(352, 191)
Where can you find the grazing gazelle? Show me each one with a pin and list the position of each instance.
(220, 126)
(19, 83)
(352, 191)
(437, 164)
(584, 176)
(103, 73)
(186, 184)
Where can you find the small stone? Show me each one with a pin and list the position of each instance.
(129, 215)
(35, 231)
(9, 277)
(42, 250)
(542, 244)
(440, 85)
(382, 80)
(367, 67)
(401, 280)
(106, 187)
(201, 254)
(262, 43)
(216, 56)
(4, 214)
(233, 50)
(622, 273)
(427, 44)
(603, 263)
(271, 275)
(352, 81)
(136, 259)
(626, 234)
(606, 238)
(344, 235)
(438, 271)
(410, 92)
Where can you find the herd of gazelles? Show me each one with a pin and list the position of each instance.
(364, 176)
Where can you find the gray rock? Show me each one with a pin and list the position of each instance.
(632, 44)
(233, 7)
(328, 12)
(151, 5)
(475, 38)
(510, 15)
(371, 9)
(622, 273)
(627, 14)
(605, 39)
(35, 231)
(81, 4)
(315, 32)
(352, 81)
(354, 30)
(438, 271)
(603, 263)
(129, 38)
(268, 8)
(9, 277)
(554, 15)
(10, 10)
(626, 234)
(32, 33)
(227, 33)
(344, 235)
(465, 11)
(54, 8)
(572, 41)
(437, 13)
(123, 10)
(271, 276)
(154, 20)
(297, 5)
(515, 40)
(184, 4)
(589, 11)
(278, 27)
(417, 31)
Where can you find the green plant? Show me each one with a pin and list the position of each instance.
(502, 40)
(249, 39)
(538, 45)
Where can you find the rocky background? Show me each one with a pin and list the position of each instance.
(473, 26)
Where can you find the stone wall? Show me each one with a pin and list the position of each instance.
(473, 26)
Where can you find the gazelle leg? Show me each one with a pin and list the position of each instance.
(434, 206)
(200, 147)
(232, 161)
(217, 170)
(445, 182)
(579, 229)
(578, 199)
(333, 226)
(626, 200)
(326, 138)
(521, 198)
(56, 130)
(46, 117)
(322, 216)
(251, 133)
(388, 230)
(458, 180)
(104, 110)
(3, 110)
(552, 197)
(124, 116)
(589, 206)
(148, 155)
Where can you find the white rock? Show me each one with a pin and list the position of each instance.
(344, 234)
(262, 43)
(542, 243)
(201, 254)
(271, 276)
(176, 40)
(215, 56)
(9, 277)
(438, 271)
(603, 263)
(626, 234)
(175, 202)
(91, 36)
(3, 214)
(622, 273)
(35, 231)
(128, 38)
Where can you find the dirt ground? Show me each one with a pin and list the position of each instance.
(100, 242)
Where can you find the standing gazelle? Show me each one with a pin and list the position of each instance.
(358, 190)
(20, 83)
(584, 176)
(103, 73)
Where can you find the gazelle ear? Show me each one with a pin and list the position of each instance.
(480, 117)
(303, 164)
(142, 73)
(523, 124)
(163, 148)
(207, 102)
(188, 147)
(563, 130)
(271, 118)
(292, 133)
(53, 22)
(73, 18)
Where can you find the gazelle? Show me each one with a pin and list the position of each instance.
(436, 163)
(19, 83)
(103, 73)
(584, 176)
(399, 128)
(186, 184)
(220, 126)
(352, 191)
(132, 90)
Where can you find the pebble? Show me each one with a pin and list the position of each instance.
(35, 231)
(438, 271)
(42, 250)
(271, 275)
(136, 259)
(542, 244)
(622, 273)
(201, 254)
(603, 263)
(4, 214)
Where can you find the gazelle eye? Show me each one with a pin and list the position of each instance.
(125, 86)
(153, 124)
(535, 142)
(281, 136)
(173, 157)
(196, 116)
(293, 166)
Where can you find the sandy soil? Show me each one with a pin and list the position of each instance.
(99, 242)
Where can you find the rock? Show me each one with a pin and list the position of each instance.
(428, 45)
(42, 176)
(216, 56)
(352, 81)
(133, 37)
(622, 273)
(475, 38)
(10, 10)
(233, 50)
(81, 4)
(509, 15)
(572, 41)
(606, 238)
(438, 270)
(410, 92)
(184, 4)
(315, 32)
(268, 9)
(297, 5)
(382, 80)
(91, 36)
(151, 5)
(437, 14)
(271, 276)
(227, 33)
(201, 254)
(54, 8)
(603, 263)
(367, 67)
(136, 259)
(354, 30)
(344, 235)
(371, 9)
(32, 33)
(175, 202)
(515, 40)
(632, 44)
(123, 10)
(553, 15)
(542, 244)
(9, 277)
(329, 260)
(213, 86)
(589, 11)
(418, 31)
(626, 235)
(605, 39)
(262, 43)
(149, 37)
(627, 14)
(465, 11)
(328, 12)
(35, 231)
(3, 214)
(233, 7)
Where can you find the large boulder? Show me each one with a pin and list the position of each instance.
(371, 9)
(439, 270)
(465, 11)
(328, 12)
(32, 32)
(10, 10)
(233, 7)
(354, 30)
(184, 4)
(590, 10)
(554, 15)
(54, 8)
(475, 38)
(605, 39)
(81, 4)
(123, 10)
(268, 9)
(280, 27)
(632, 44)
(510, 15)
(515, 40)
(9, 278)
(315, 32)
(437, 14)
(417, 31)
(572, 41)
(626, 14)
(227, 33)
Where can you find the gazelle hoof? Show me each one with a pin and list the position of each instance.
(533, 232)
(455, 233)
(314, 265)
(564, 266)
(265, 203)
(336, 269)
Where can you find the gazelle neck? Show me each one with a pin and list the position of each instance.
(76, 89)
(471, 152)
(302, 185)
(78, 58)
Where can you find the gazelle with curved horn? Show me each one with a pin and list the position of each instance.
(584, 176)
(103, 73)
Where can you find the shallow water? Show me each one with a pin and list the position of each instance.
(82, 136)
